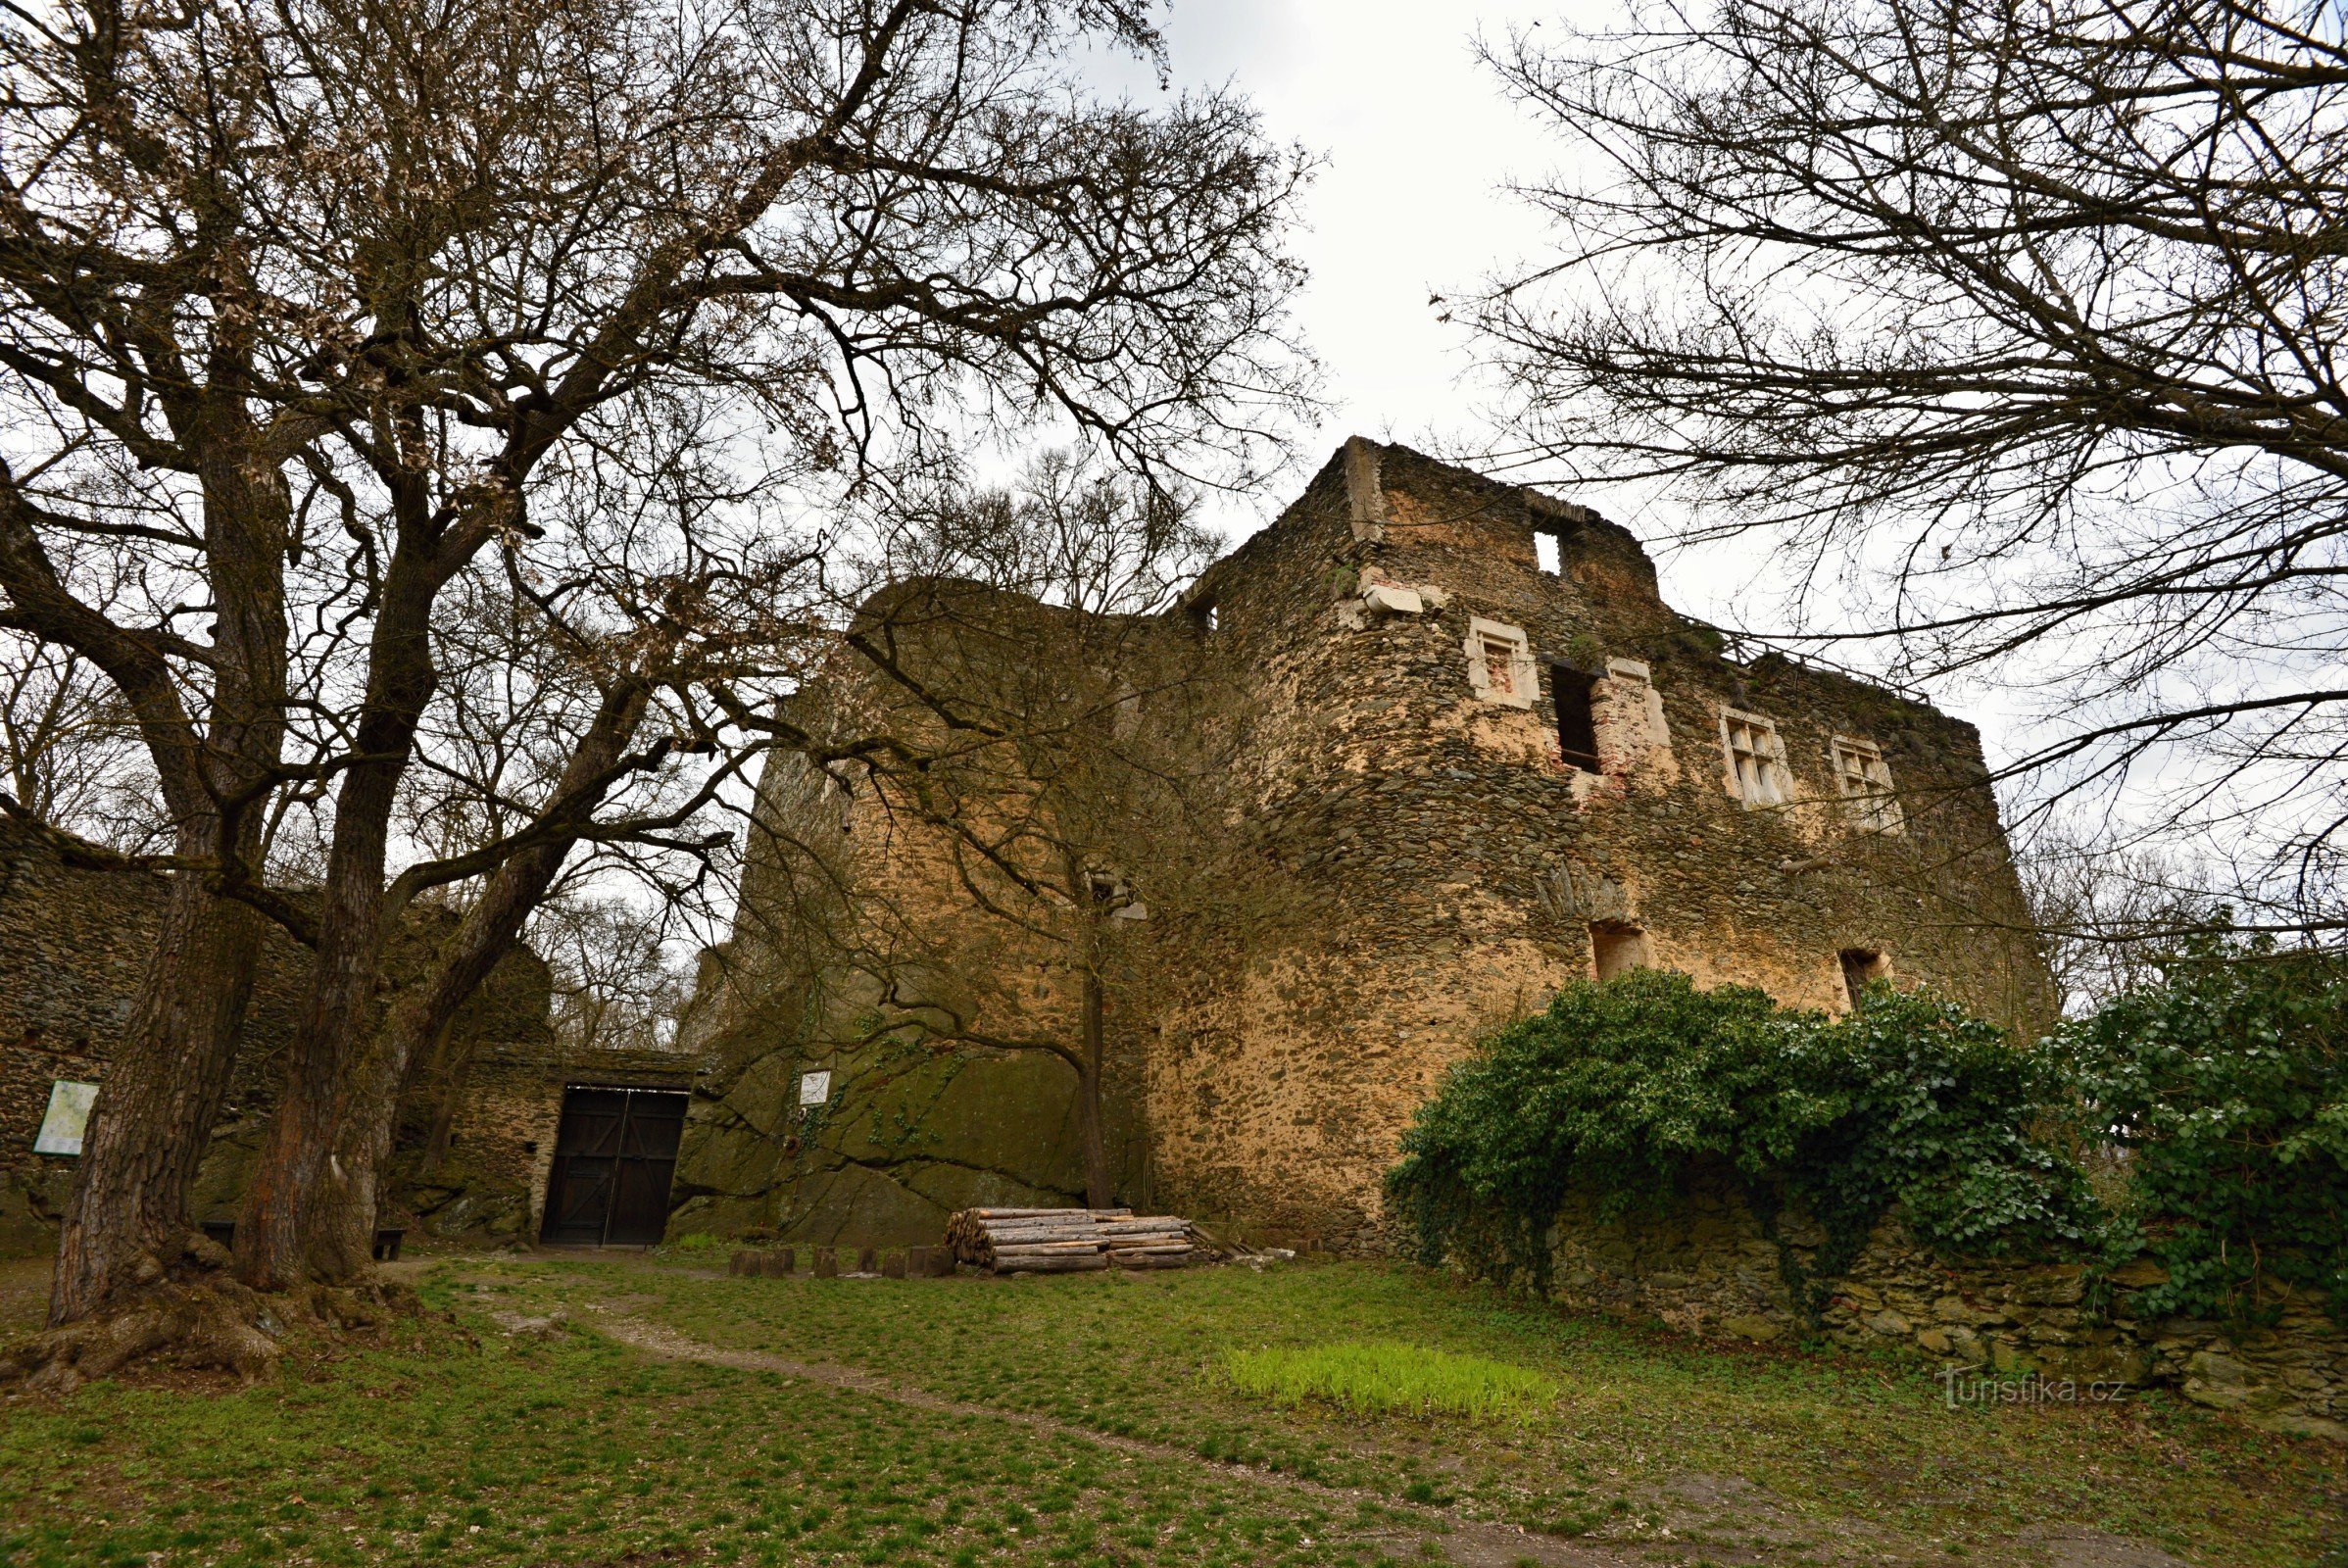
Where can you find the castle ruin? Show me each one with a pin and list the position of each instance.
(1460, 752)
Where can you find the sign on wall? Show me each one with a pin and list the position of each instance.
(67, 1118)
(814, 1088)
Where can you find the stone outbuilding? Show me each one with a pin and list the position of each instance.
(1471, 755)
(480, 1122)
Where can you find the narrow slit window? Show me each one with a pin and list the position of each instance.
(1576, 723)
(1546, 552)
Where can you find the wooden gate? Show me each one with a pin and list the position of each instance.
(614, 1153)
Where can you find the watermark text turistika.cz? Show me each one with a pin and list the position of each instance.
(1961, 1388)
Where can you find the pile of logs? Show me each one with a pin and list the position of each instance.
(1069, 1240)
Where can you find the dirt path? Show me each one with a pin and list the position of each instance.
(1470, 1542)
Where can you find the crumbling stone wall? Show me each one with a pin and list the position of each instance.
(1439, 864)
(73, 938)
(1454, 863)
(1708, 1268)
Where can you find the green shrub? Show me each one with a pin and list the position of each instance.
(2227, 1087)
(1379, 1378)
(1621, 1090)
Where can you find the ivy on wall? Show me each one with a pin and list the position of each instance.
(2219, 1098)
(1619, 1089)
(2225, 1088)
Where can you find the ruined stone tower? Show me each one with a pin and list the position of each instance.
(1471, 777)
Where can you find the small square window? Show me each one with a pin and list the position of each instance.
(1500, 663)
(1757, 759)
(1865, 780)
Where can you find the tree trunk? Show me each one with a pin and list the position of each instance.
(277, 1245)
(490, 930)
(1099, 1191)
(314, 1198)
(126, 1219)
(450, 1072)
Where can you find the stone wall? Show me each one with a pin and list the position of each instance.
(1708, 1268)
(1429, 861)
(1449, 865)
(73, 941)
(922, 982)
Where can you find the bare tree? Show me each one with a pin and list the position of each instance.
(2024, 317)
(620, 982)
(310, 311)
(71, 751)
(2107, 908)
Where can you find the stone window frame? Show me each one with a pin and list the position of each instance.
(1864, 780)
(1524, 680)
(1755, 753)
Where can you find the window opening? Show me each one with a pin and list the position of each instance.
(1618, 949)
(1865, 780)
(1859, 966)
(1499, 666)
(1756, 757)
(1577, 721)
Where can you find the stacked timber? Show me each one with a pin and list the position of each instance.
(1069, 1240)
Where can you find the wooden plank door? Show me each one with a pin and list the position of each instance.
(614, 1156)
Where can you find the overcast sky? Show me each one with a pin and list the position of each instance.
(1418, 146)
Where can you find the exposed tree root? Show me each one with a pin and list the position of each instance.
(194, 1315)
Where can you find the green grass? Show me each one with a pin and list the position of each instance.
(576, 1451)
(1383, 1378)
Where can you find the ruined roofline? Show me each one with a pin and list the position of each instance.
(1362, 463)
(1361, 459)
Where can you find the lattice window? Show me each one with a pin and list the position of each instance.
(1865, 780)
(1500, 663)
(1757, 759)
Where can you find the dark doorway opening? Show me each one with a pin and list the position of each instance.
(613, 1156)
(1576, 725)
(1860, 968)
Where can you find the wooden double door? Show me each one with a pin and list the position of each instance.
(615, 1155)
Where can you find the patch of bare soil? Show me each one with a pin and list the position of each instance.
(2092, 1548)
(23, 1295)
